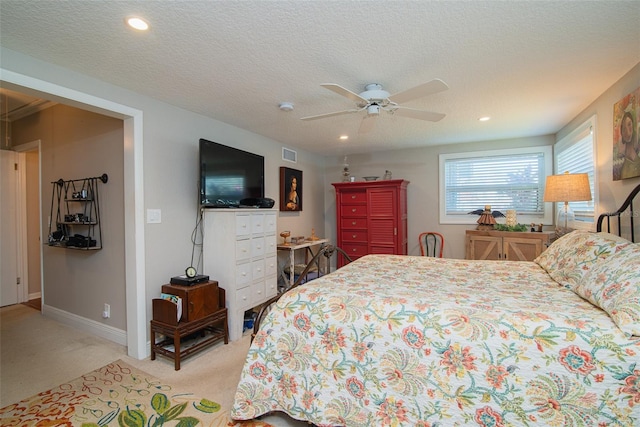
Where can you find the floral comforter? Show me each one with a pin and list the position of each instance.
(415, 341)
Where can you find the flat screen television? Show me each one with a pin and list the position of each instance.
(228, 175)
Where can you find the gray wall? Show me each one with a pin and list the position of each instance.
(77, 144)
(420, 167)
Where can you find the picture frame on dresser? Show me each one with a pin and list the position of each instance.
(290, 189)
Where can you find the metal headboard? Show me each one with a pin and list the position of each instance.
(626, 210)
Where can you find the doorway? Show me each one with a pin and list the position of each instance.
(136, 321)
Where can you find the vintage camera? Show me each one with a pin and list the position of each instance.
(82, 194)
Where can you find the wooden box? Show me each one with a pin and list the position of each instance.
(198, 301)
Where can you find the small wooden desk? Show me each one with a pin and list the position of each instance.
(292, 248)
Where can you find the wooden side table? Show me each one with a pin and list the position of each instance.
(211, 328)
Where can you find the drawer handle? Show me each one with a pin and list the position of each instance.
(353, 223)
(353, 250)
(259, 270)
(353, 197)
(353, 210)
(244, 273)
(354, 236)
(244, 298)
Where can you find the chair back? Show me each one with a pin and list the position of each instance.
(431, 244)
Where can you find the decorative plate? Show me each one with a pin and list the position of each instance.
(370, 178)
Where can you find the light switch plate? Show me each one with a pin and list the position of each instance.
(154, 216)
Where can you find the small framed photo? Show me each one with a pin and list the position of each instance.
(290, 189)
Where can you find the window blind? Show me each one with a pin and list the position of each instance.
(575, 154)
(514, 181)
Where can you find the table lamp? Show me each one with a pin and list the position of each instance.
(566, 187)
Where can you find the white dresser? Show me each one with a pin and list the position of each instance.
(239, 252)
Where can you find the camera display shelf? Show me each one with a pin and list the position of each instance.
(75, 214)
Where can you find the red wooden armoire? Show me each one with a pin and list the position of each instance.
(371, 217)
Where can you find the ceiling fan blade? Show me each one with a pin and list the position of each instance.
(418, 114)
(429, 88)
(367, 124)
(345, 92)
(336, 113)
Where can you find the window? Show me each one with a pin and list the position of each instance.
(575, 153)
(503, 179)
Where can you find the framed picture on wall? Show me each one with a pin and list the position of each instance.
(290, 189)
(626, 144)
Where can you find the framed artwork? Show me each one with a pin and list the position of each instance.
(290, 189)
(626, 149)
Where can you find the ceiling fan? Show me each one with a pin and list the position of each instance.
(374, 99)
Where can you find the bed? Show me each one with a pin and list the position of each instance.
(418, 341)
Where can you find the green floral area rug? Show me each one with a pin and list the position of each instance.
(117, 395)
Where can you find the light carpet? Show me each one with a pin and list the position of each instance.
(118, 394)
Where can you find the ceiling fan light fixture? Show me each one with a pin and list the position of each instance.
(373, 110)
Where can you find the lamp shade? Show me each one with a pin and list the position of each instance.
(567, 187)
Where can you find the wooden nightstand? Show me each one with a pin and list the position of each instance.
(206, 316)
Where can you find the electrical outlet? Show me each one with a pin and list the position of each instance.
(107, 311)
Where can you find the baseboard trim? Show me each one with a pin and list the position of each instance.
(108, 332)
(35, 295)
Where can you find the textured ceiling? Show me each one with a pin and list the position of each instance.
(531, 66)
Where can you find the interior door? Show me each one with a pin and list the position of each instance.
(8, 229)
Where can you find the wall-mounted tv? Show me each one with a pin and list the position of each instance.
(228, 175)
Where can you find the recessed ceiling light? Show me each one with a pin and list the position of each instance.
(137, 23)
(344, 137)
(484, 119)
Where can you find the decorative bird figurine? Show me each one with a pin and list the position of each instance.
(487, 218)
(495, 214)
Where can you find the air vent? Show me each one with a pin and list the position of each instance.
(289, 155)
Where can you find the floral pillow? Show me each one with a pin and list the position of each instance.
(572, 256)
(614, 286)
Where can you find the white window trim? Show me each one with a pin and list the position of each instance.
(588, 126)
(546, 219)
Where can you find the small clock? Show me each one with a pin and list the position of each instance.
(190, 272)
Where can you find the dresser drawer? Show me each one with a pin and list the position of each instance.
(354, 223)
(270, 223)
(355, 250)
(271, 266)
(243, 274)
(257, 223)
(349, 236)
(353, 197)
(257, 268)
(347, 211)
(244, 298)
(243, 249)
(243, 225)
(257, 247)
